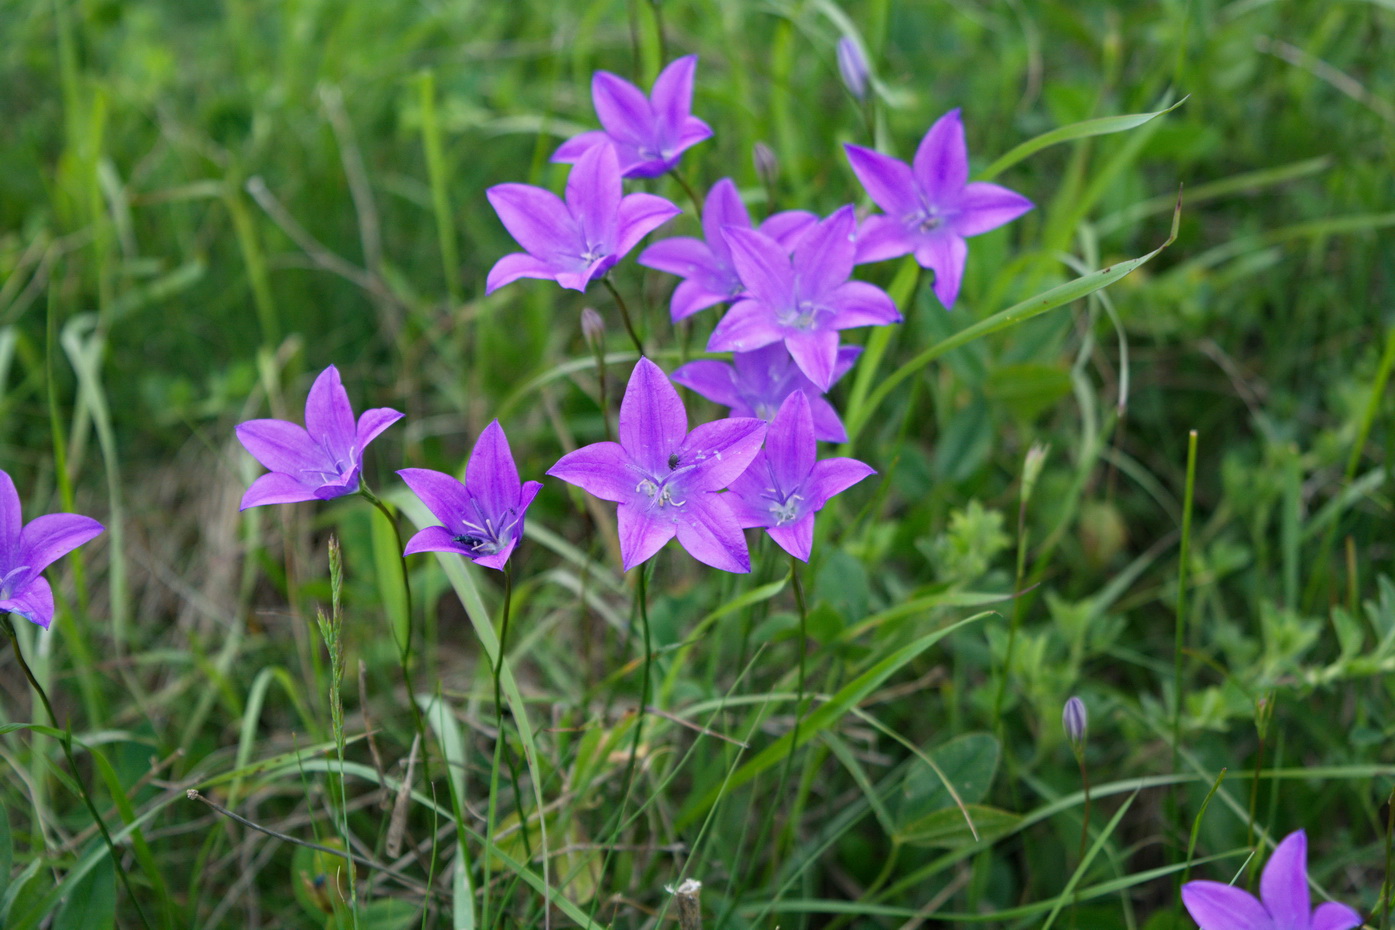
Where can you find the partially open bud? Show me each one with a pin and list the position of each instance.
(852, 65)
(767, 165)
(1076, 721)
(592, 327)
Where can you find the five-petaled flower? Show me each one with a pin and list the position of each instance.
(320, 460)
(648, 134)
(756, 383)
(27, 549)
(665, 479)
(710, 277)
(1283, 902)
(581, 239)
(930, 206)
(804, 300)
(484, 516)
(785, 486)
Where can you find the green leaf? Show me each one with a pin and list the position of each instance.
(948, 827)
(967, 762)
(7, 852)
(965, 443)
(1028, 389)
(91, 901)
(1102, 126)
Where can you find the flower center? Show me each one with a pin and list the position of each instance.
(659, 493)
(804, 315)
(787, 510)
(482, 536)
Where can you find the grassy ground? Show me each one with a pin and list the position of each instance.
(202, 205)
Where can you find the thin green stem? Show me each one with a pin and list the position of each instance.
(1184, 558)
(67, 743)
(624, 314)
(688, 189)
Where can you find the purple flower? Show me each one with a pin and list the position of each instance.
(803, 301)
(319, 461)
(1283, 903)
(647, 133)
(785, 486)
(852, 65)
(27, 549)
(930, 207)
(666, 479)
(710, 275)
(581, 239)
(484, 516)
(757, 383)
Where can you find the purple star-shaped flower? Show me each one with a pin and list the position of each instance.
(666, 479)
(930, 206)
(28, 549)
(756, 383)
(785, 486)
(803, 301)
(1283, 902)
(710, 275)
(320, 460)
(649, 134)
(484, 516)
(580, 239)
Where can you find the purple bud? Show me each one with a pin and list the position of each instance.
(767, 165)
(1076, 721)
(592, 327)
(852, 65)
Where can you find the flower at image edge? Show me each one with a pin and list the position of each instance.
(27, 549)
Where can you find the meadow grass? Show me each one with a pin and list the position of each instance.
(203, 205)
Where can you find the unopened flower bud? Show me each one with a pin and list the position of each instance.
(1031, 468)
(852, 65)
(767, 165)
(592, 327)
(1076, 721)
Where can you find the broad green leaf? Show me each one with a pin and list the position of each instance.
(968, 762)
(948, 827)
(1102, 126)
(91, 900)
(965, 442)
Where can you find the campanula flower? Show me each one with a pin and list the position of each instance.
(785, 486)
(756, 383)
(581, 239)
(1283, 902)
(648, 134)
(665, 478)
(320, 460)
(484, 516)
(27, 549)
(803, 301)
(1076, 721)
(930, 206)
(710, 276)
(852, 66)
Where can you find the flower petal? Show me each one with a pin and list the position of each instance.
(641, 534)
(622, 108)
(831, 477)
(537, 219)
(34, 603)
(684, 256)
(568, 152)
(689, 297)
(824, 258)
(719, 451)
(763, 265)
(652, 420)
(491, 476)
(593, 199)
(446, 498)
(435, 539)
(941, 165)
(987, 206)
(796, 538)
(828, 427)
(10, 521)
(602, 469)
(788, 226)
(671, 99)
(815, 353)
(945, 254)
(1283, 886)
(712, 379)
(694, 131)
(372, 422)
(711, 534)
(52, 536)
(639, 215)
(329, 419)
(881, 237)
(747, 326)
(888, 181)
(281, 446)
(1220, 907)
(723, 207)
(276, 488)
(514, 266)
(862, 304)
(790, 447)
(1333, 916)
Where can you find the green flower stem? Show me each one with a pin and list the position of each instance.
(67, 743)
(688, 189)
(624, 314)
